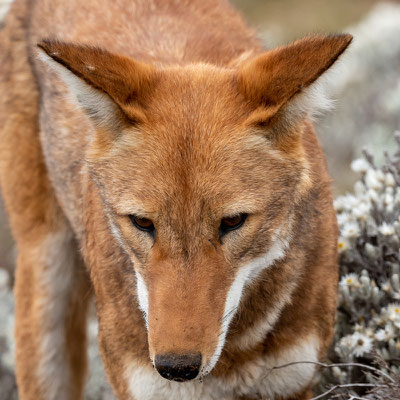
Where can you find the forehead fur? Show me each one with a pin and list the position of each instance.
(194, 145)
(195, 104)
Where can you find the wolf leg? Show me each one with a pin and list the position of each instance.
(52, 293)
(51, 283)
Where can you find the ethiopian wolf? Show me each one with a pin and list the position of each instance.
(155, 154)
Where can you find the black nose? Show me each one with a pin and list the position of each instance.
(178, 367)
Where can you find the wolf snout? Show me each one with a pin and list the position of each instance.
(178, 367)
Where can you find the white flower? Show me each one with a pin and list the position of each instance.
(373, 179)
(393, 313)
(345, 343)
(359, 328)
(373, 195)
(361, 211)
(359, 189)
(386, 230)
(360, 165)
(340, 203)
(350, 230)
(346, 202)
(384, 335)
(343, 218)
(380, 175)
(369, 332)
(356, 344)
(350, 280)
(390, 190)
(364, 330)
(381, 335)
(389, 179)
(360, 344)
(343, 245)
(352, 201)
(389, 199)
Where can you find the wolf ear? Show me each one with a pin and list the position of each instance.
(285, 77)
(110, 88)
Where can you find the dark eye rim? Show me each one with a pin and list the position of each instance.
(151, 229)
(223, 228)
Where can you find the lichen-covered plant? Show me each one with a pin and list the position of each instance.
(368, 318)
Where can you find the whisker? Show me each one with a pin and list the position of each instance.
(229, 313)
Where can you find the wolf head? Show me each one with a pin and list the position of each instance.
(200, 169)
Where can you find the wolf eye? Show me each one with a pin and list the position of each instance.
(143, 224)
(232, 223)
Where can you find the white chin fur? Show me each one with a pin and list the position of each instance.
(244, 277)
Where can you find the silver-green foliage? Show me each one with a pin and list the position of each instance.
(368, 318)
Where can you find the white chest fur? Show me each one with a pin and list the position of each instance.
(253, 379)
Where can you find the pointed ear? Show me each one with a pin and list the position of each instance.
(110, 88)
(276, 78)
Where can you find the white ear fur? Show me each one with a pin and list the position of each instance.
(313, 100)
(310, 102)
(98, 106)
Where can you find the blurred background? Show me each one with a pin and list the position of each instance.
(365, 87)
(366, 82)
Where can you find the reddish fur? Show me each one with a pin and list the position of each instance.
(276, 76)
(197, 122)
(126, 81)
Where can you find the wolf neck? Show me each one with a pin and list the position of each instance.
(162, 32)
